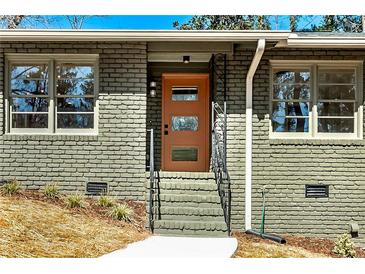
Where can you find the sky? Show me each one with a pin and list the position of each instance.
(150, 22)
(146, 22)
(126, 21)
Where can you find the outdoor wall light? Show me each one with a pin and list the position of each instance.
(186, 59)
(153, 89)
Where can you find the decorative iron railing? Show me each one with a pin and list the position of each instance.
(218, 69)
(152, 183)
(219, 160)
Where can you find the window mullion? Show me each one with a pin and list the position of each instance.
(51, 86)
(314, 127)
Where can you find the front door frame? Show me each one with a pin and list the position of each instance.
(206, 77)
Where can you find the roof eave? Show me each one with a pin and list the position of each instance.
(147, 36)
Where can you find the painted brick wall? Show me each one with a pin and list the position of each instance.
(116, 155)
(285, 166)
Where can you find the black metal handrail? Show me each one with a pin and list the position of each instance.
(219, 159)
(218, 76)
(152, 181)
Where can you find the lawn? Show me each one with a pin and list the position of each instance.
(250, 246)
(33, 226)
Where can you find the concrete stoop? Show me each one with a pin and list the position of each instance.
(188, 204)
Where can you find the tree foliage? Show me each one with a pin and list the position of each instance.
(32, 21)
(225, 22)
(340, 23)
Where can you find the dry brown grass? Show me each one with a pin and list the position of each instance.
(253, 247)
(36, 228)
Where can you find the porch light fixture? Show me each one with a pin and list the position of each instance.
(186, 59)
(153, 89)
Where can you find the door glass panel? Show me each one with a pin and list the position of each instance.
(184, 154)
(184, 123)
(184, 94)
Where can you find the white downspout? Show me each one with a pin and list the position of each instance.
(249, 80)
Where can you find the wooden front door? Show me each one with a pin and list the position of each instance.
(185, 122)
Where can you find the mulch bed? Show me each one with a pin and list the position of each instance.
(312, 244)
(92, 209)
(318, 245)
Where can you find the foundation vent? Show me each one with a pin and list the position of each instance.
(93, 188)
(316, 191)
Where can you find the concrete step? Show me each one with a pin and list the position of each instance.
(201, 185)
(191, 214)
(214, 199)
(197, 228)
(186, 175)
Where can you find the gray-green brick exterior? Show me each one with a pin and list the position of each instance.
(118, 154)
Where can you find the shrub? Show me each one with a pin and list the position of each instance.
(344, 247)
(105, 201)
(11, 187)
(75, 200)
(51, 191)
(121, 212)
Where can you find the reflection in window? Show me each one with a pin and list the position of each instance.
(29, 120)
(184, 94)
(291, 101)
(75, 120)
(29, 96)
(184, 123)
(75, 96)
(336, 102)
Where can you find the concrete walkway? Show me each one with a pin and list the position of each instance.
(178, 247)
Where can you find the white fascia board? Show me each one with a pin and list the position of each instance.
(133, 35)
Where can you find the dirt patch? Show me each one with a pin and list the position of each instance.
(34, 226)
(250, 246)
(323, 246)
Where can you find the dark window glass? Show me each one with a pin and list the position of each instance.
(284, 124)
(28, 87)
(30, 104)
(337, 92)
(79, 87)
(292, 92)
(71, 104)
(184, 154)
(29, 72)
(331, 76)
(335, 109)
(290, 109)
(29, 120)
(75, 121)
(71, 71)
(292, 77)
(336, 125)
(184, 94)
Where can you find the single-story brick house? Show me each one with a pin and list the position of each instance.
(231, 112)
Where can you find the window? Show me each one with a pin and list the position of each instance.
(29, 96)
(52, 95)
(316, 100)
(75, 96)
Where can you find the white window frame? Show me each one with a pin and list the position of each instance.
(52, 60)
(313, 115)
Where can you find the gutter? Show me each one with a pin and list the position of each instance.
(248, 171)
(141, 35)
(317, 41)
